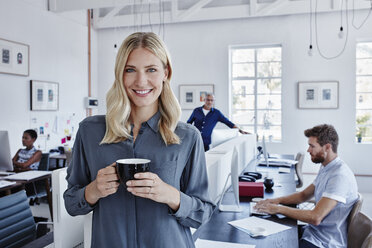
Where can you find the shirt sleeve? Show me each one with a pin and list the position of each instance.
(336, 188)
(78, 177)
(224, 120)
(195, 207)
(192, 117)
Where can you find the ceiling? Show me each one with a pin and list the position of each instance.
(127, 13)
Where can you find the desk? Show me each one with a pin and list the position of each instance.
(58, 157)
(218, 228)
(22, 183)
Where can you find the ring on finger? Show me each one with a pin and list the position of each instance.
(150, 190)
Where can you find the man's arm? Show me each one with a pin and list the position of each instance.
(314, 216)
(295, 198)
(192, 117)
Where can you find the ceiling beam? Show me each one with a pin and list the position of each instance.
(68, 5)
(174, 9)
(193, 9)
(252, 7)
(271, 7)
(111, 14)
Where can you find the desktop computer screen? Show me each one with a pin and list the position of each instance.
(6, 163)
(234, 174)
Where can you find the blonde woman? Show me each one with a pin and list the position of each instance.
(142, 121)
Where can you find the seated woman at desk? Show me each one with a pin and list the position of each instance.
(28, 158)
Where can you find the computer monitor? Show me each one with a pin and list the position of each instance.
(234, 174)
(68, 230)
(264, 150)
(6, 163)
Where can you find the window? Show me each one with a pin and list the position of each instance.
(256, 86)
(364, 92)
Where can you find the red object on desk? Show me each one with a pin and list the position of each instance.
(251, 189)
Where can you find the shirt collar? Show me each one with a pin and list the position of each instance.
(330, 164)
(202, 108)
(153, 122)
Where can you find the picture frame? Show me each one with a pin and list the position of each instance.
(14, 58)
(318, 95)
(193, 95)
(44, 95)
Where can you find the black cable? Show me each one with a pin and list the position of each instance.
(316, 33)
(364, 21)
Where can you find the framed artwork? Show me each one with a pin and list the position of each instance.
(193, 95)
(14, 58)
(318, 95)
(44, 95)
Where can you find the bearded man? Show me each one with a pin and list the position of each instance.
(335, 191)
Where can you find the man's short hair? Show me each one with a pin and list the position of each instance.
(32, 133)
(325, 134)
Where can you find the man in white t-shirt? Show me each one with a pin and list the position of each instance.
(335, 191)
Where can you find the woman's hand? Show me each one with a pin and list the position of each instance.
(152, 187)
(106, 183)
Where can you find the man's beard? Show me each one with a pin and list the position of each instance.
(318, 158)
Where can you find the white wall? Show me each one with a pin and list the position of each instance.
(58, 53)
(200, 56)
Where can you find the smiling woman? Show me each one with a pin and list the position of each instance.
(141, 122)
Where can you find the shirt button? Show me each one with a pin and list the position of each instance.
(203, 122)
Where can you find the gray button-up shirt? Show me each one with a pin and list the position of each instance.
(124, 220)
(335, 181)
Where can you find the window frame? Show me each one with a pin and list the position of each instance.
(256, 126)
(362, 92)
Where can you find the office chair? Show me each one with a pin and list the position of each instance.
(17, 225)
(68, 154)
(298, 168)
(360, 232)
(355, 210)
(39, 189)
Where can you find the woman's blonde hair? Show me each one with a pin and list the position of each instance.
(118, 104)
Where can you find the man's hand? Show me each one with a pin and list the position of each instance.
(243, 132)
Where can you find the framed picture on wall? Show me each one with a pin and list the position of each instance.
(44, 95)
(14, 58)
(318, 95)
(193, 95)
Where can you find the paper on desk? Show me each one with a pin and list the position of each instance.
(247, 224)
(203, 243)
(284, 170)
(281, 160)
(4, 184)
(27, 175)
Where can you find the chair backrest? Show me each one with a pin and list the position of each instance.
(17, 225)
(356, 209)
(68, 154)
(44, 162)
(360, 232)
(298, 168)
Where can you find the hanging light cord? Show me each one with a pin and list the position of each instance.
(311, 24)
(364, 21)
(150, 15)
(316, 33)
